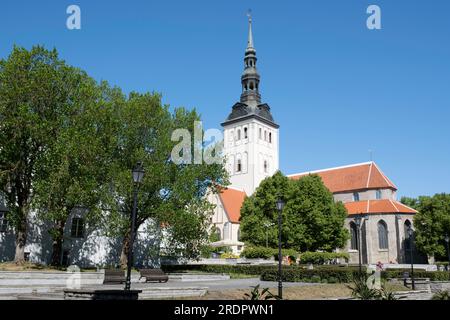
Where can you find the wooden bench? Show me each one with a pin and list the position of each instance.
(114, 276)
(153, 275)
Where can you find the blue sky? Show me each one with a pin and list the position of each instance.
(336, 88)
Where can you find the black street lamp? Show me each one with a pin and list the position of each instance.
(448, 251)
(411, 235)
(138, 174)
(358, 239)
(280, 206)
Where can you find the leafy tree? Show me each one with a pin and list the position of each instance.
(432, 223)
(311, 219)
(74, 171)
(171, 194)
(37, 93)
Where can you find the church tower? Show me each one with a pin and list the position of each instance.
(250, 132)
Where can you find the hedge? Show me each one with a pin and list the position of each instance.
(222, 268)
(324, 275)
(266, 253)
(344, 275)
(322, 257)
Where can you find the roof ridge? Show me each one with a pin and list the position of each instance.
(368, 206)
(389, 182)
(370, 173)
(235, 188)
(404, 205)
(394, 205)
(330, 169)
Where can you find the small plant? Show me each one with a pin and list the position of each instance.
(256, 294)
(361, 290)
(441, 295)
(384, 294)
(228, 255)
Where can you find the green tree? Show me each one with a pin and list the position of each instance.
(311, 219)
(171, 194)
(74, 171)
(432, 223)
(37, 93)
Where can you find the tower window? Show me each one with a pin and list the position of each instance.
(245, 133)
(251, 86)
(355, 196)
(265, 166)
(270, 137)
(239, 166)
(378, 194)
(260, 133)
(265, 135)
(239, 134)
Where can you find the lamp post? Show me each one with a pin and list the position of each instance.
(411, 235)
(280, 206)
(138, 174)
(448, 251)
(358, 239)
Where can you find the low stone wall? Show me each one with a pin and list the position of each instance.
(189, 277)
(437, 286)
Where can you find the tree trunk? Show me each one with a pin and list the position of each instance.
(57, 243)
(125, 249)
(21, 239)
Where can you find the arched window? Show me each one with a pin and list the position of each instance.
(226, 231)
(245, 133)
(406, 227)
(218, 234)
(265, 135)
(239, 134)
(239, 165)
(355, 196)
(378, 194)
(270, 137)
(382, 235)
(260, 133)
(354, 236)
(265, 166)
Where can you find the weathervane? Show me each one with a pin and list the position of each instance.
(249, 15)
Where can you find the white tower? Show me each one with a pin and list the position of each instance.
(250, 132)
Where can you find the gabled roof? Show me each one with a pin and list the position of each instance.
(232, 200)
(377, 206)
(359, 176)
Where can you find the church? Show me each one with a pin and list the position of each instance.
(251, 148)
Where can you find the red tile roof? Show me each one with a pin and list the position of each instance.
(232, 200)
(354, 177)
(377, 206)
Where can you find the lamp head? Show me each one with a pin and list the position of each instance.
(280, 204)
(138, 173)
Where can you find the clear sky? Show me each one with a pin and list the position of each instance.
(336, 88)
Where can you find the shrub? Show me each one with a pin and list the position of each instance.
(441, 295)
(228, 255)
(322, 257)
(267, 253)
(265, 294)
(299, 274)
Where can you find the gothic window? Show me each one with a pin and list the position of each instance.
(226, 231)
(3, 222)
(260, 133)
(355, 196)
(218, 234)
(77, 229)
(406, 227)
(239, 166)
(239, 235)
(245, 133)
(378, 194)
(354, 236)
(382, 235)
(270, 137)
